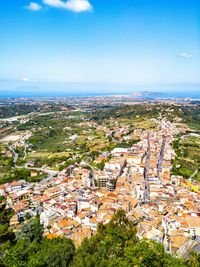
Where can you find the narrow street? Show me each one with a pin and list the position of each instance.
(146, 172)
(161, 155)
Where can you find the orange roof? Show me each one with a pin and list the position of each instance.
(19, 206)
(64, 223)
(193, 221)
(16, 183)
(178, 241)
(93, 219)
(50, 236)
(110, 194)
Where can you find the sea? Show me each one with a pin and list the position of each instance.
(163, 91)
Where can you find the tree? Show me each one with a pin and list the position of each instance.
(22, 174)
(116, 245)
(31, 230)
(53, 252)
(2, 199)
(5, 233)
(194, 260)
(148, 253)
(49, 228)
(18, 254)
(108, 244)
(48, 253)
(27, 215)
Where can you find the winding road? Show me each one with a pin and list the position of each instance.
(51, 173)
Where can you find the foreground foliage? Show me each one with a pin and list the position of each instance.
(115, 244)
(6, 235)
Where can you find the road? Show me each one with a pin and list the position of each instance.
(194, 173)
(15, 154)
(51, 173)
(146, 172)
(25, 148)
(161, 155)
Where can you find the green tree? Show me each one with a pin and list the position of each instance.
(17, 255)
(116, 245)
(53, 252)
(48, 253)
(5, 215)
(194, 260)
(31, 230)
(108, 244)
(22, 174)
(148, 253)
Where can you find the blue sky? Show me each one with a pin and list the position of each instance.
(100, 41)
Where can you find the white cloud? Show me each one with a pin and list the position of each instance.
(185, 55)
(73, 5)
(34, 6)
(55, 3)
(78, 5)
(27, 80)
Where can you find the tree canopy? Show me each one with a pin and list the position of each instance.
(116, 244)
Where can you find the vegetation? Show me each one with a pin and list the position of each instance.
(6, 161)
(139, 112)
(115, 244)
(24, 108)
(187, 162)
(60, 137)
(16, 174)
(6, 235)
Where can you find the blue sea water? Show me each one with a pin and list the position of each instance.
(21, 89)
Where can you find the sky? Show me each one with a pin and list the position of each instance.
(118, 42)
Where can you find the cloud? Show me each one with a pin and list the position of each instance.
(27, 80)
(78, 5)
(72, 5)
(185, 55)
(55, 3)
(34, 6)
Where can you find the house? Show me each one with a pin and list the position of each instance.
(53, 192)
(2, 190)
(14, 221)
(134, 159)
(47, 216)
(16, 185)
(192, 224)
